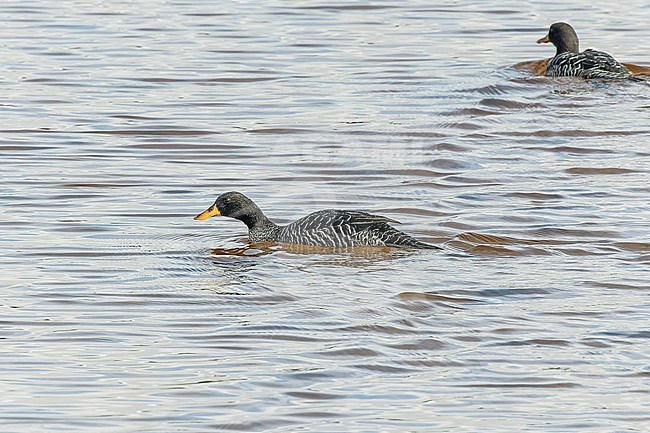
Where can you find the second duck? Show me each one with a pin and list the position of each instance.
(570, 62)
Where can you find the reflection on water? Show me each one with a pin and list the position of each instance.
(120, 119)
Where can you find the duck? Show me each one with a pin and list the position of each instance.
(570, 62)
(325, 228)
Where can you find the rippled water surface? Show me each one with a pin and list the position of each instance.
(122, 120)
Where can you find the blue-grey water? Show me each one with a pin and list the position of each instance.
(122, 120)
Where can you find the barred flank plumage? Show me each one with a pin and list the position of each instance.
(587, 64)
(344, 228)
(327, 228)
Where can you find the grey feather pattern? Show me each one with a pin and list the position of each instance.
(587, 64)
(341, 229)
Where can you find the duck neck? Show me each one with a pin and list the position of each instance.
(568, 44)
(260, 228)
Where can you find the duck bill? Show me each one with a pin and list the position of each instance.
(208, 213)
(544, 40)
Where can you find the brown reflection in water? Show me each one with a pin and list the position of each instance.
(638, 71)
(619, 286)
(416, 296)
(597, 170)
(483, 244)
(257, 250)
(633, 246)
(264, 249)
(535, 67)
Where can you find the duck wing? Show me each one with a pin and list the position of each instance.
(598, 64)
(343, 228)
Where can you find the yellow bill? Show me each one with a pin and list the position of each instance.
(544, 40)
(208, 213)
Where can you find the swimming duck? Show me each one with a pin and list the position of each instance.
(570, 62)
(327, 228)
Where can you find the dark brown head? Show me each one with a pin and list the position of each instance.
(563, 37)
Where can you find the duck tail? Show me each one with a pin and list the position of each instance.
(414, 243)
(427, 246)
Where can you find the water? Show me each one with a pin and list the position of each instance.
(123, 120)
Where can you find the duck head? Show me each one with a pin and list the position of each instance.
(563, 37)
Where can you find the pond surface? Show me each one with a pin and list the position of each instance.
(122, 120)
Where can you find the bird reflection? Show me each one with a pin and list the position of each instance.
(351, 256)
